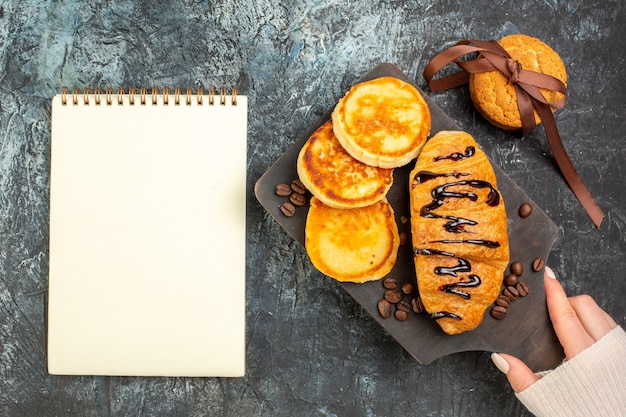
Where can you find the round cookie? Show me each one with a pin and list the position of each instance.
(494, 95)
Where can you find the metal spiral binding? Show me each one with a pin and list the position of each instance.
(108, 96)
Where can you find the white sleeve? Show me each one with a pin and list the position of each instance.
(593, 383)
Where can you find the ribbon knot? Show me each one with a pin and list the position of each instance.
(514, 68)
(528, 84)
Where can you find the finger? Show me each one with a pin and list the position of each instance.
(519, 375)
(596, 321)
(570, 331)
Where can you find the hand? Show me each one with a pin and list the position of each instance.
(578, 322)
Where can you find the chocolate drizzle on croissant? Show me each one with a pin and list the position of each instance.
(457, 180)
(457, 156)
(463, 266)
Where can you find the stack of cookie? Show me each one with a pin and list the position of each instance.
(495, 96)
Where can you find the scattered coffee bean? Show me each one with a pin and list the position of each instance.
(393, 296)
(511, 293)
(288, 209)
(522, 288)
(514, 288)
(404, 305)
(401, 315)
(399, 297)
(390, 283)
(503, 301)
(298, 187)
(297, 199)
(525, 210)
(296, 192)
(408, 288)
(498, 312)
(384, 308)
(510, 279)
(417, 306)
(517, 268)
(283, 190)
(404, 237)
(538, 264)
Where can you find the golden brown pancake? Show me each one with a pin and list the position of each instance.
(459, 231)
(335, 177)
(383, 122)
(356, 245)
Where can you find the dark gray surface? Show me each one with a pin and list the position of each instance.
(311, 349)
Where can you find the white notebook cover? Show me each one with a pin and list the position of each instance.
(147, 237)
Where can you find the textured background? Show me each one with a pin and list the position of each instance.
(311, 350)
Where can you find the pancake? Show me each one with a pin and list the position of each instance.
(335, 177)
(459, 231)
(355, 245)
(383, 122)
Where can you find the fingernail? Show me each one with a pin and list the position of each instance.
(500, 363)
(550, 272)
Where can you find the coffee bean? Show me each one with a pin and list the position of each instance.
(517, 268)
(404, 305)
(511, 293)
(283, 190)
(525, 210)
(408, 288)
(404, 237)
(522, 288)
(498, 312)
(416, 305)
(297, 199)
(503, 301)
(384, 308)
(401, 315)
(538, 264)
(288, 209)
(510, 279)
(390, 283)
(393, 296)
(298, 187)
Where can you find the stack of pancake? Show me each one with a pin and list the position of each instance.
(347, 164)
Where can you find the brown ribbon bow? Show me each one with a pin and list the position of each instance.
(527, 86)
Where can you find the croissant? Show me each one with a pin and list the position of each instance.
(459, 231)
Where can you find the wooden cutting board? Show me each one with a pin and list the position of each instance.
(526, 332)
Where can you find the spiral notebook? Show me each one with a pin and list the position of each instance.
(147, 233)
